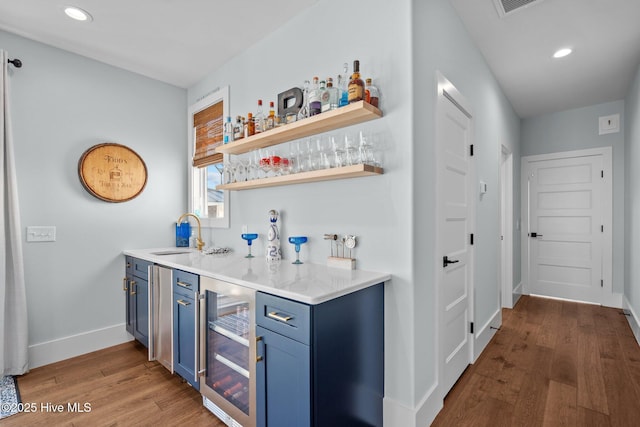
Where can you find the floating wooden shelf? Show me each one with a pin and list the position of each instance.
(351, 114)
(299, 178)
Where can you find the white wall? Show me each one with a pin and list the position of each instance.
(632, 194)
(62, 104)
(577, 129)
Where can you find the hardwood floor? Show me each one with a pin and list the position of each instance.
(553, 363)
(121, 387)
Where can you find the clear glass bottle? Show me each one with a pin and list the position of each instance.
(356, 85)
(238, 129)
(333, 94)
(372, 95)
(259, 118)
(324, 97)
(304, 111)
(315, 101)
(343, 85)
(227, 135)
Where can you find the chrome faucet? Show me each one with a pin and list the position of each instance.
(199, 242)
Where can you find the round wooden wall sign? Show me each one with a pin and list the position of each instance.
(112, 172)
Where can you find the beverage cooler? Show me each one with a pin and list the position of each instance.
(228, 351)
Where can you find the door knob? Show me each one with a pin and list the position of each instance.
(535, 235)
(446, 261)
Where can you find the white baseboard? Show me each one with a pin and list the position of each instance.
(396, 414)
(517, 293)
(634, 320)
(64, 348)
(483, 335)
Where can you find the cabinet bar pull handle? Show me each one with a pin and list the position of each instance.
(132, 288)
(184, 303)
(124, 285)
(275, 315)
(183, 284)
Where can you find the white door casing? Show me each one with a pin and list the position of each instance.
(567, 203)
(506, 226)
(455, 216)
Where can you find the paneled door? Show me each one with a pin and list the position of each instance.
(455, 204)
(567, 204)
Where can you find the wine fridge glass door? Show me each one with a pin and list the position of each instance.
(229, 349)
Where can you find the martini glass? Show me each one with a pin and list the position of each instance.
(297, 240)
(249, 237)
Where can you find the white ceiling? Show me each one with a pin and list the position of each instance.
(181, 41)
(604, 34)
(175, 41)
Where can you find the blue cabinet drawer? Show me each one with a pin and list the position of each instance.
(185, 283)
(141, 268)
(289, 318)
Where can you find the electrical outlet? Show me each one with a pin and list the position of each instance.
(41, 233)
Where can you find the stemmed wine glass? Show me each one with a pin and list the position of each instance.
(249, 237)
(297, 240)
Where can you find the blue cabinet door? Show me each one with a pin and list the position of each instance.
(184, 338)
(141, 315)
(283, 381)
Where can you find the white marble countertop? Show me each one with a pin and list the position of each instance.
(307, 283)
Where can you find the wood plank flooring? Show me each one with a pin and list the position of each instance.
(121, 386)
(553, 363)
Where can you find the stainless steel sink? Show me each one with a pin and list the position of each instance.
(172, 252)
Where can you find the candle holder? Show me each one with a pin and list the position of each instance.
(249, 237)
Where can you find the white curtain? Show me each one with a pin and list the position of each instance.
(13, 302)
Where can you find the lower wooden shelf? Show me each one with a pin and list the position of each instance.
(302, 177)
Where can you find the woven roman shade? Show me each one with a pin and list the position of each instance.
(208, 129)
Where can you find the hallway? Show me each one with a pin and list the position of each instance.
(553, 363)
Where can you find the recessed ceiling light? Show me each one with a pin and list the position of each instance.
(562, 52)
(78, 14)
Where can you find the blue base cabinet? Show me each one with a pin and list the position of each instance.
(137, 299)
(185, 321)
(320, 365)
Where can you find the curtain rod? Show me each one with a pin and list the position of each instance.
(16, 62)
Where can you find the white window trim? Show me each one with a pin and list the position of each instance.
(199, 174)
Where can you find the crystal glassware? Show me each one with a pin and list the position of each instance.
(249, 237)
(297, 241)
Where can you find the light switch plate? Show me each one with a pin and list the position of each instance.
(41, 233)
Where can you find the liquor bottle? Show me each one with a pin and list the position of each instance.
(249, 126)
(274, 253)
(238, 129)
(356, 85)
(324, 97)
(372, 95)
(343, 85)
(271, 118)
(315, 103)
(259, 118)
(228, 131)
(334, 95)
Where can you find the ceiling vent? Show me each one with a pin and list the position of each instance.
(507, 7)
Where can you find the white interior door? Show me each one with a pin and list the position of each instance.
(455, 200)
(566, 227)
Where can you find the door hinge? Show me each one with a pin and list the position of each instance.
(602, 174)
(602, 228)
(471, 150)
(602, 283)
(471, 328)
(471, 239)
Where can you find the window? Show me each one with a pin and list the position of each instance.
(205, 122)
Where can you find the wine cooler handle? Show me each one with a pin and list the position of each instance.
(275, 315)
(201, 314)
